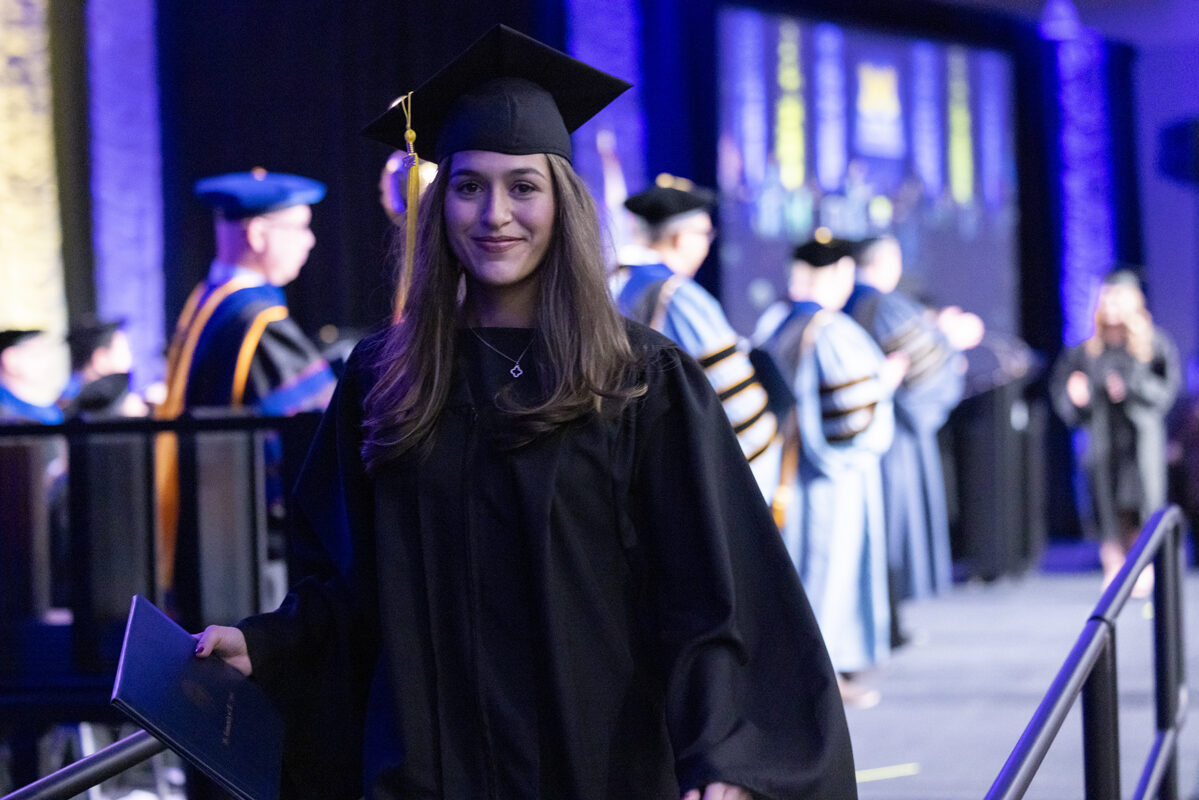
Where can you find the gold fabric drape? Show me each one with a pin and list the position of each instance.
(31, 279)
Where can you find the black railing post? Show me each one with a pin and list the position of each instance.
(1101, 725)
(1168, 646)
(187, 586)
(1025, 759)
(150, 515)
(85, 637)
(1090, 669)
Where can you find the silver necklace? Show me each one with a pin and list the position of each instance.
(516, 371)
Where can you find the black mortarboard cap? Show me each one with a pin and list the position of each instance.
(87, 335)
(237, 195)
(669, 197)
(17, 335)
(823, 249)
(861, 247)
(99, 396)
(506, 93)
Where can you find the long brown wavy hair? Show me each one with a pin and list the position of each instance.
(586, 355)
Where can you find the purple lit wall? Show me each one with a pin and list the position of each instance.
(610, 151)
(1088, 237)
(126, 179)
(1171, 207)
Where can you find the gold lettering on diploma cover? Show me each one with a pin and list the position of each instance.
(227, 733)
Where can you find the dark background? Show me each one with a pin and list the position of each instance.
(288, 86)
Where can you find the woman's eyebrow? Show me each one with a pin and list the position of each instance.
(516, 172)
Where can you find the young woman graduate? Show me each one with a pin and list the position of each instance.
(1118, 386)
(540, 564)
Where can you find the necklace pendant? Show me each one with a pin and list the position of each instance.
(516, 371)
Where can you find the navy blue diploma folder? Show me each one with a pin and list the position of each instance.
(202, 708)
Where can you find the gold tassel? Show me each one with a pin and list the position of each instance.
(411, 199)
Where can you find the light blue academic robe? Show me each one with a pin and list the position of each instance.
(834, 525)
(683, 311)
(913, 481)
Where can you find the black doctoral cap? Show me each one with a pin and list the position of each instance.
(89, 335)
(862, 247)
(17, 335)
(506, 93)
(669, 197)
(823, 249)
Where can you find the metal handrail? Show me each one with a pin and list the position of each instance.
(295, 430)
(78, 777)
(192, 421)
(1090, 669)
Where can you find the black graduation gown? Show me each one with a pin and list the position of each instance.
(657, 636)
(1125, 458)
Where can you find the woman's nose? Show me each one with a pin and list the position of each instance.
(497, 209)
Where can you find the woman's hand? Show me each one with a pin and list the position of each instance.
(963, 329)
(718, 791)
(893, 369)
(226, 643)
(1114, 384)
(1078, 388)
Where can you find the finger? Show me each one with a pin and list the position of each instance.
(204, 643)
(692, 795)
(208, 641)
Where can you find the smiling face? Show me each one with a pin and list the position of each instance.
(499, 217)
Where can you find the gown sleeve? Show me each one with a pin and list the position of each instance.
(314, 655)
(751, 697)
(695, 320)
(936, 373)
(845, 412)
(1155, 384)
(1068, 362)
(288, 374)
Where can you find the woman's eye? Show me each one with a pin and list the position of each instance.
(524, 188)
(467, 187)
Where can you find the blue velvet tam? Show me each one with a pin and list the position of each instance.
(238, 195)
(506, 93)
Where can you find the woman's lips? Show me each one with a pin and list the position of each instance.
(496, 244)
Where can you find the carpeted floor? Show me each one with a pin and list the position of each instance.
(955, 702)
